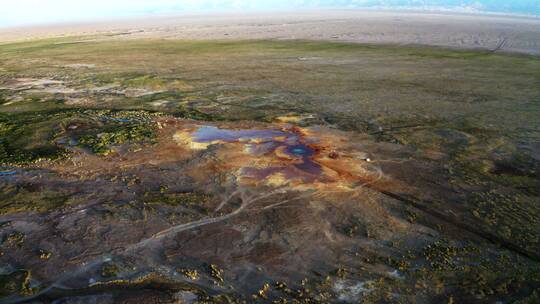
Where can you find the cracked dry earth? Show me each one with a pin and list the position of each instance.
(228, 213)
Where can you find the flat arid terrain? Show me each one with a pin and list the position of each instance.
(340, 160)
(481, 32)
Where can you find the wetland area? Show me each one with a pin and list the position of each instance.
(267, 171)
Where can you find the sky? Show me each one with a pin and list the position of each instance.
(28, 12)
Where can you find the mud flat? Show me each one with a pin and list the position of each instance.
(462, 31)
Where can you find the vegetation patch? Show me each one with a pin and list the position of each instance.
(17, 282)
(103, 142)
(109, 270)
(118, 128)
(29, 137)
(20, 198)
(190, 200)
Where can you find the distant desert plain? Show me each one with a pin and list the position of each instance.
(445, 29)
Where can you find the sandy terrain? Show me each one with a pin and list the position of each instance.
(496, 33)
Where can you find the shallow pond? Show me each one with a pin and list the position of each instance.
(285, 144)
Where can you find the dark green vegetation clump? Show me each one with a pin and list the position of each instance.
(29, 137)
(108, 270)
(27, 197)
(17, 282)
(117, 128)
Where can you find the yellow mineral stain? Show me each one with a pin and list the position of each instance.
(184, 138)
(292, 118)
(277, 179)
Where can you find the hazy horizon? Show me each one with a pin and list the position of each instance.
(31, 12)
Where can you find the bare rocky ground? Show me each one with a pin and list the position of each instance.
(166, 171)
(184, 223)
